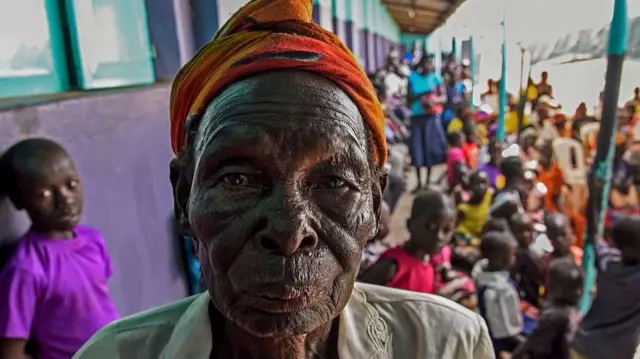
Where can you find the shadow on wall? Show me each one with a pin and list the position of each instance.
(12, 225)
(119, 141)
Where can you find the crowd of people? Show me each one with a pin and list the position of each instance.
(504, 234)
(274, 237)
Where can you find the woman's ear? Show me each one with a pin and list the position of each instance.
(378, 190)
(181, 190)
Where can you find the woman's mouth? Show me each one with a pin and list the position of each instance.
(283, 299)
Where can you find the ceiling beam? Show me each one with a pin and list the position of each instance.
(411, 7)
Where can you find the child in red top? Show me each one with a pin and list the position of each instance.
(417, 264)
(456, 162)
(470, 146)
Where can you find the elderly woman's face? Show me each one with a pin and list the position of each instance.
(282, 200)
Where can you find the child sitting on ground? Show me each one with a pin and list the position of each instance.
(473, 213)
(526, 272)
(470, 146)
(561, 238)
(417, 264)
(498, 298)
(456, 163)
(558, 320)
(611, 328)
(54, 289)
(492, 168)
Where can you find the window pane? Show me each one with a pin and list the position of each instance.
(111, 43)
(27, 64)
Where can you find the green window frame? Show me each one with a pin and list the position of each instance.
(33, 69)
(120, 53)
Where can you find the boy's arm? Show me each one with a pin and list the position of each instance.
(19, 290)
(13, 349)
(605, 254)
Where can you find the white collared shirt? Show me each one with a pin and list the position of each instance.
(377, 323)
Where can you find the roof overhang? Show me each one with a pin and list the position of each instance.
(421, 16)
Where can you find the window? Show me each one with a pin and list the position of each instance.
(110, 43)
(31, 49)
(55, 45)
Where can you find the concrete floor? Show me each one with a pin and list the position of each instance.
(398, 233)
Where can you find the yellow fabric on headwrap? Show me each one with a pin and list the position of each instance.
(267, 35)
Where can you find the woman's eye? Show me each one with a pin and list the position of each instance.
(240, 180)
(331, 183)
(74, 183)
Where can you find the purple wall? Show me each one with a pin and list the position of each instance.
(120, 143)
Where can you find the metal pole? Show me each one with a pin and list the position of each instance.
(523, 94)
(600, 176)
(503, 79)
(472, 68)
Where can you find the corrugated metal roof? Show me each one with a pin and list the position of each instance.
(421, 16)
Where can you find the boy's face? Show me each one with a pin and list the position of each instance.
(545, 153)
(478, 185)
(560, 235)
(51, 193)
(433, 229)
(522, 228)
(495, 151)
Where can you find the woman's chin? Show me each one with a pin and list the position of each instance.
(267, 324)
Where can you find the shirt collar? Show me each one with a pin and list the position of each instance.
(192, 339)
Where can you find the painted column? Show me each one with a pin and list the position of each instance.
(358, 26)
(339, 15)
(349, 26)
(184, 30)
(204, 16)
(368, 50)
(163, 33)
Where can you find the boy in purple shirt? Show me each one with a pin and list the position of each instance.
(53, 290)
(492, 168)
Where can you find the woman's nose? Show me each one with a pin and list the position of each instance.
(287, 229)
(286, 245)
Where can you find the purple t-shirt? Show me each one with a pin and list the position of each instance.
(492, 172)
(55, 292)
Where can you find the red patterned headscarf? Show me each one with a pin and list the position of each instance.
(267, 35)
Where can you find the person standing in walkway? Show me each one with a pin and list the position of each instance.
(544, 88)
(428, 142)
(53, 290)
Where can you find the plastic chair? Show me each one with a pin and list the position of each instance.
(569, 155)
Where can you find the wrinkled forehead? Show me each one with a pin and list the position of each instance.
(284, 99)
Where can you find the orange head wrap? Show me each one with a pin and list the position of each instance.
(262, 36)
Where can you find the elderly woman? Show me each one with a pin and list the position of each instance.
(280, 148)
